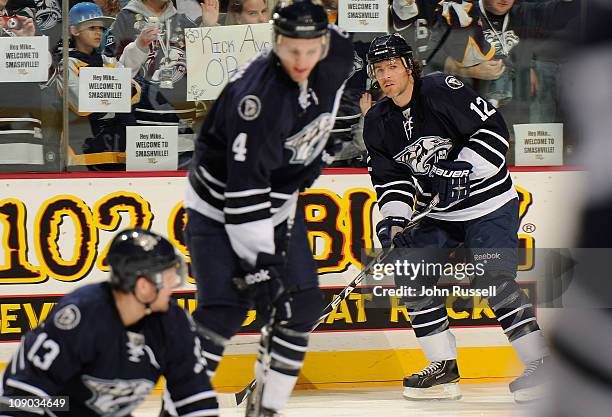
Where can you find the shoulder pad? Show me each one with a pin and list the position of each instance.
(67, 317)
(379, 109)
(439, 80)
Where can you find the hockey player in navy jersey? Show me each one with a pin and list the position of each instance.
(262, 142)
(432, 136)
(105, 345)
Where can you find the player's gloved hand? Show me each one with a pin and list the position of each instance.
(264, 283)
(451, 181)
(388, 228)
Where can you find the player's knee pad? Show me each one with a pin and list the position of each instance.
(290, 339)
(427, 315)
(288, 348)
(511, 305)
(216, 325)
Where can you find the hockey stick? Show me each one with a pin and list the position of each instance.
(267, 333)
(378, 260)
(246, 391)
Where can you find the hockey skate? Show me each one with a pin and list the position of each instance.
(531, 385)
(265, 412)
(438, 381)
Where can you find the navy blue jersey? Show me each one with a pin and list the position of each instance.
(263, 137)
(83, 351)
(445, 120)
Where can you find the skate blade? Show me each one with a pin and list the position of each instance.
(448, 391)
(533, 394)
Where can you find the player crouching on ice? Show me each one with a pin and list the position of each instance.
(105, 345)
(435, 135)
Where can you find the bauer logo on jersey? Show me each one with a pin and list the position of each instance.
(308, 143)
(453, 82)
(424, 153)
(116, 397)
(249, 107)
(67, 318)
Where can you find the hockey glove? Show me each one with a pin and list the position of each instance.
(388, 228)
(451, 181)
(263, 282)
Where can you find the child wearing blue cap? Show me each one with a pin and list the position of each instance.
(96, 140)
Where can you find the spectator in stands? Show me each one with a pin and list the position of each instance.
(507, 24)
(96, 140)
(150, 34)
(110, 8)
(243, 12)
(21, 146)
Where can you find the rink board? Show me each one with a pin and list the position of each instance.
(55, 232)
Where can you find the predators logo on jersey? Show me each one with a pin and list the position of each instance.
(310, 141)
(116, 397)
(424, 153)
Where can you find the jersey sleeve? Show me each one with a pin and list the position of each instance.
(50, 355)
(188, 385)
(254, 148)
(395, 189)
(471, 117)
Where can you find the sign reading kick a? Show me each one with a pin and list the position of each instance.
(215, 54)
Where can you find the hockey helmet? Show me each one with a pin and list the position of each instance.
(301, 19)
(387, 47)
(137, 253)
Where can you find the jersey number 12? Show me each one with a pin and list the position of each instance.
(485, 112)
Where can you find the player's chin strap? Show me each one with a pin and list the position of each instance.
(147, 305)
(156, 280)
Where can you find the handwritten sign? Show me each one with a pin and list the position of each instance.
(539, 144)
(214, 55)
(363, 15)
(24, 59)
(105, 90)
(151, 148)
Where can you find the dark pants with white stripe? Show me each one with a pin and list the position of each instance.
(222, 308)
(493, 238)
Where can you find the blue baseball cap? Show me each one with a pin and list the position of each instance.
(88, 12)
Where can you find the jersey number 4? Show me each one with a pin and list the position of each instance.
(482, 108)
(239, 147)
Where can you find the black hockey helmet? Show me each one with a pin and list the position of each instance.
(137, 253)
(301, 19)
(387, 47)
